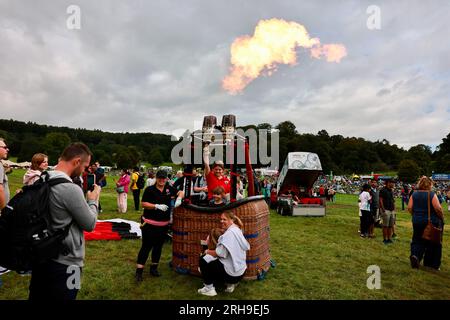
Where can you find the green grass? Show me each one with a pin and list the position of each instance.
(316, 258)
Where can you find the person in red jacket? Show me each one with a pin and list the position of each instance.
(215, 177)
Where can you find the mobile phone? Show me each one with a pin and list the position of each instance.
(90, 182)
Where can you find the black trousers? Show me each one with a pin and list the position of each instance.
(431, 253)
(214, 272)
(50, 281)
(136, 197)
(153, 238)
(365, 219)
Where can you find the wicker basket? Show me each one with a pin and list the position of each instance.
(191, 224)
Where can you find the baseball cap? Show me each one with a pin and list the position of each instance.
(161, 174)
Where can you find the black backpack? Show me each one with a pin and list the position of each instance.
(140, 183)
(26, 238)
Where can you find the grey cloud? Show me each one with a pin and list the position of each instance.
(383, 92)
(157, 66)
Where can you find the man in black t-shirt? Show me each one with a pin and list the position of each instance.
(156, 202)
(387, 207)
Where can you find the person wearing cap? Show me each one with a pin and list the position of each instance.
(215, 176)
(387, 210)
(156, 202)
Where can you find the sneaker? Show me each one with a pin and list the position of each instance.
(385, 241)
(414, 262)
(138, 277)
(230, 288)
(211, 292)
(362, 235)
(389, 241)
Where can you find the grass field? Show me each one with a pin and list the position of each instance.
(316, 258)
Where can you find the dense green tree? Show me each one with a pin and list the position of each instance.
(287, 129)
(408, 171)
(421, 154)
(54, 143)
(156, 157)
(30, 146)
(342, 155)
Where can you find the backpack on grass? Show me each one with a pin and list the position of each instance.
(26, 238)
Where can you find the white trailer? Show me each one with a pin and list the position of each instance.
(300, 171)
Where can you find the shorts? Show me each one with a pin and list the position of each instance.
(388, 217)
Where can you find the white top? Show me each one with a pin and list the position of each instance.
(231, 250)
(150, 182)
(364, 203)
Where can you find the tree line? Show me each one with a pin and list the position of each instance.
(342, 155)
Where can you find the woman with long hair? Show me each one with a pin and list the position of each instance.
(39, 163)
(423, 206)
(231, 253)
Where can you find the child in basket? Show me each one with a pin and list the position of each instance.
(219, 198)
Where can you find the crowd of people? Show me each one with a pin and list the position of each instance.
(76, 204)
(424, 205)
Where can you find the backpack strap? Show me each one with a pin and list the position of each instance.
(56, 181)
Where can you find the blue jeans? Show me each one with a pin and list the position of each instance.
(431, 253)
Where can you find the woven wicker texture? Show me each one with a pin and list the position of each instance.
(190, 227)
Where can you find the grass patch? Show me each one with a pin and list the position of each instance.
(316, 258)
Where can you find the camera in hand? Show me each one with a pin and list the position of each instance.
(90, 182)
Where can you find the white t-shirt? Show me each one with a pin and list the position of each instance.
(150, 182)
(364, 203)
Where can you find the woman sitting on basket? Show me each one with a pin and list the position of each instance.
(231, 253)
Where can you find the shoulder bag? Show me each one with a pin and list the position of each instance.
(432, 233)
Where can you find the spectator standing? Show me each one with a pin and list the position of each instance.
(374, 206)
(405, 196)
(150, 180)
(364, 207)
(424, 205)
(134, 188)
(100, 179)
(4, 186)
(122, 191)
(387, 210)
(156, 202)
(68, 208)
(448, 199)
(39, 163)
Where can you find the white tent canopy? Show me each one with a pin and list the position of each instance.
(11, 164)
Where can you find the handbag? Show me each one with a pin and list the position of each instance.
(432, 233)
(120, 189)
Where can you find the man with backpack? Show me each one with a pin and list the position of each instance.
(59, 278)
(137, 184)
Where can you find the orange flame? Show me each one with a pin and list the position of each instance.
(274, 42)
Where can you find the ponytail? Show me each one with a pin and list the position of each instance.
(234, 218)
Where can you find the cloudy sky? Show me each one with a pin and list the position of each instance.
(157, 66)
